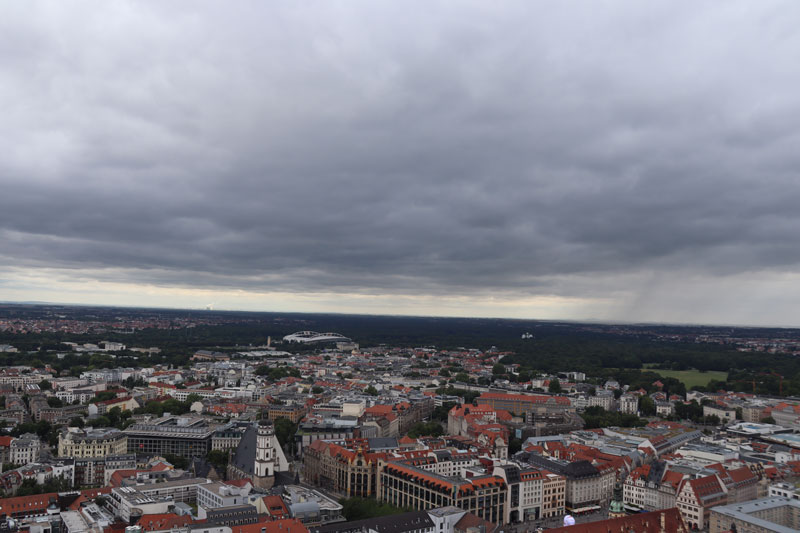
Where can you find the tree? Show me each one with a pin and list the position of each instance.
(193, 397)
(462, 377)
(554, 387)
(99, 422)
(178, 461)
(767, 420)
(498, 369)
(317, 390)
(45, 385)
(219, 459)
(103, 396)
(647, 406)
(440, 413)
(52, 401)
(372, 391)
(514, 446)
(361, 508)
(426, 429)
(284, 432)
(76, 422)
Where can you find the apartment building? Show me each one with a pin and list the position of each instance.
(25, 449)
(77, 442)
(531, 493)
(651, 487)
(696, 497)
(341, 470)
(588, 487)
(554, 489)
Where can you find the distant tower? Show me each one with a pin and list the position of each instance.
(265, 453)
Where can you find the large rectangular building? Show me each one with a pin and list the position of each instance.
(768, 515)
(523, 404)
(410, 487)
(188, 437)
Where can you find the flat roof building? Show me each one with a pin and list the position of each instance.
(767, 515)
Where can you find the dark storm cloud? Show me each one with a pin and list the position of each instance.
(429, 147)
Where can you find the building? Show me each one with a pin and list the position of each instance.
(329, 429)
(407, 486)
(258, 456)
(767, 515)
(522, 404)
(294, 413)
(531, 494)
(784, 490)
(696, 497)
(723, 413)
(311, 507)
(213, 495)
(651, 487)
(628, 404)
(228, 437)
(130, 502)
(588, 488)
(171, 435)
(341, 470)
(77, 442)
(25, 449)
(554, 489)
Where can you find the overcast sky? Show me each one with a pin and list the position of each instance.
(635, 161)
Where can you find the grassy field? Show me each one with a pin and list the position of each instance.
(691, 378)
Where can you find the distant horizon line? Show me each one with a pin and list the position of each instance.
(587, 321)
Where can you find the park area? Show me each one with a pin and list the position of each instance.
(693, 378)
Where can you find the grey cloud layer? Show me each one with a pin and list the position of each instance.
(433, 147)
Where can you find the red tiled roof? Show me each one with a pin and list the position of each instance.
(638, 523)
(159, 522)
(278, 526)
(523, 398)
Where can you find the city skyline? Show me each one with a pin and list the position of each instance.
(625, 163)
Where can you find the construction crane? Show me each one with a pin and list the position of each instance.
(780, 381)
(753, 381)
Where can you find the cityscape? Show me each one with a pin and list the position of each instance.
(322, 432)
(408, 266)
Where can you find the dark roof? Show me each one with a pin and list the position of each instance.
(396, 523)
(574, 470)
(512, 473)
(382, 443)
(244, 458)
(200, 467)
(657, 469)
(223, 515)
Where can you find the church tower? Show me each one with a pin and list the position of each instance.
(616, 508)
(265, 453)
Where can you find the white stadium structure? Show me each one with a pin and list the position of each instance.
(310, 337)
